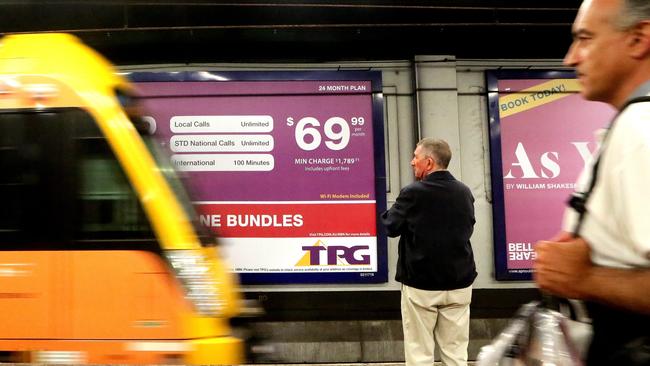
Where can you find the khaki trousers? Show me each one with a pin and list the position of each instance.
(439, 315)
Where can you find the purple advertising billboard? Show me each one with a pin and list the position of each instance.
(286, 168)
(542, 133)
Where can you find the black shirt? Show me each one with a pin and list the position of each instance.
(434, 218)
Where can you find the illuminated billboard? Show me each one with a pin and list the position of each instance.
(542, 132)
(287, 168)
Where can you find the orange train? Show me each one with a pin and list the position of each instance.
(100, 260)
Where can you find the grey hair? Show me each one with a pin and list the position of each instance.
(632, 12)
(437, 149)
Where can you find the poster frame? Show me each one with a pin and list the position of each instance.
(377, 107)
(496, 164)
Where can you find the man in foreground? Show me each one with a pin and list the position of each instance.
(603, 254)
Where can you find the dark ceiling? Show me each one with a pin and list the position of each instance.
(138, 32)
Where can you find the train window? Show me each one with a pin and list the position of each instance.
(13, 173)
(32, 184)
(108, 206)
(61, 186)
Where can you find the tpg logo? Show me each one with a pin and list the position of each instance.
(334, 255)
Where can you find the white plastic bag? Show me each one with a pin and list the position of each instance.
(536, 336)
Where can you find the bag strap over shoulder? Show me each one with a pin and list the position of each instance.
(578, 200)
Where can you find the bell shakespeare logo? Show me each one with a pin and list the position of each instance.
(320, 254)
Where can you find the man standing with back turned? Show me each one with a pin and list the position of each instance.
(603, 253)
(434, 218)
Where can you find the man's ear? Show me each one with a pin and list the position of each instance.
(640, 40)
(433, 163)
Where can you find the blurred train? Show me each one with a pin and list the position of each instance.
(100, 260)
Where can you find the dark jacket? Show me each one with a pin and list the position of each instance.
(434, 218)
